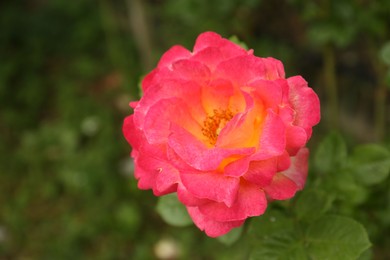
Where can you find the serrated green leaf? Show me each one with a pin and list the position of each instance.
(335, 237)
(370, 163)
(349, 190)
(172, 211)
(231, 237)
(331, 153)
(312, 204)
(280, 247)
(273, 222)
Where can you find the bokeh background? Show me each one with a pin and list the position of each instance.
(68, 70)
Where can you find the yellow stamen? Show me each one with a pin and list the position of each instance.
(213, 125)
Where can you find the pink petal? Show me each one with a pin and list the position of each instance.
(243, 129)
(132, 134)
(270, 93)
(196, 154)
(261, 172)
(210, 56)
(285, 184)
(216, 95)
(191, 70)
(211, 185)
(188, 91)
(281, 188)
(211, 227)
(173, 54)
(296, 138)
(284, 161)
(153, 171)
(210, 39)
(273, 137)
(274, 68)
(241, 70)
(305, 102)
(251, 201)
(299, 168)
(188, 198)
(160, 116)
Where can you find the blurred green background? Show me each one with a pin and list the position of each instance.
(68, 70)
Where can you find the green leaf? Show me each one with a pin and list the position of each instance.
(172, 211)
(335, 237)
(280, 247)
(331, 153)
(312, 204)
(231, 237)
(237, 41)
(370, 163)
(273, 222)
(384, 53)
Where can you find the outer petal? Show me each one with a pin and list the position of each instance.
(188, 198)
(305, 103)
(133, 136)
(274, 68)
(299, 168)
(281, 188)
(188, 91)
(154, 172)
(210, 39)
(175, 53)
(261, 172)
(211, 185)
(296, 138)
(211, 227)
(285, 184)
(242, 70)
(251, 201)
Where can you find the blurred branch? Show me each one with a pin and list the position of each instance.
(331, 84)
(141, 31)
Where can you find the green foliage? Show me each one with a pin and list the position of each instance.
(370, 163)
(173, 211)
(334, 237)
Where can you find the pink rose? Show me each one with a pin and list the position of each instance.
(222, 128)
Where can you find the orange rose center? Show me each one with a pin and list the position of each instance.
(213, 125)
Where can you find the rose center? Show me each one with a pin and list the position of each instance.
(213, 125)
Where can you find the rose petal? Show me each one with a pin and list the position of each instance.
(153, 172)
(160, 116)
(188, 198)
(305, 103)
(261, 172)
(196, 154)
(273, 137)
(251, 201)
(241, 70)
(211, 227)
(285, 184)
(299, 168)
(274, 68)
(281, 188)
(211, 185)
(210, 39)
(132, 134)
(175, 53)
(295, 139)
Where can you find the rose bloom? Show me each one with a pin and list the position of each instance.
(222, 128)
